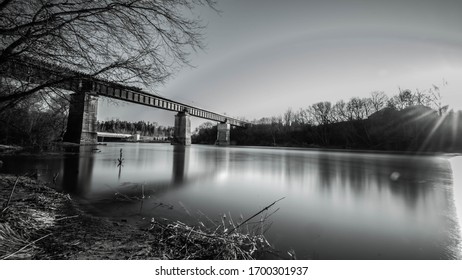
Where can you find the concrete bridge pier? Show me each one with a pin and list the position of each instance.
(81, 123)
(223, 134)
(182, 131)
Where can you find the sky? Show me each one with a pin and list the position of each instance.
(265, 56)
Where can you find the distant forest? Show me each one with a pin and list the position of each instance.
(141, 127)
(408, 121)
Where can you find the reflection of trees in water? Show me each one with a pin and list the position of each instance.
(413, 178)
(326, 170)
(294, 166)
(420, 179)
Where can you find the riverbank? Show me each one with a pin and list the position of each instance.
(37, 222)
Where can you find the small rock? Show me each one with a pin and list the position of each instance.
(1, 164)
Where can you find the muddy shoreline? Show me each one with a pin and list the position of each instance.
(51, 226)
(39, 223)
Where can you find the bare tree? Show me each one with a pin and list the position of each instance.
(136, 42)
(367, 106)
(264, 120)
(322, 113)
(378, 100)
(289, 117)
(404, 99)
(301, 117)
(276, 124)
(339, 111)
(422, 98)
(356, 108)
(436, 99)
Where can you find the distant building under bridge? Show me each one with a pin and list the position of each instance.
(108, 137)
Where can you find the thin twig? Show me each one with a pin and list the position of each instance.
(231, 222)
(11, 195)
(271, 214)
(65, 218)
(55, 177)
(253, 216)
(12, 254)
(210, 220)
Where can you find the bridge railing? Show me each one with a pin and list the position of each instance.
(35, 71)
(140, 97)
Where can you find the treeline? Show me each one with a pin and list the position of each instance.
(408, 121)
(41, 120)
(206, 133)
(35, 122)
(141, 127)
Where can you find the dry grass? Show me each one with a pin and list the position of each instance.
(180, 241)
(11, 242)
(28, 211)
(39, 223)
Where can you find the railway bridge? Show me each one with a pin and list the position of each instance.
(83, 109)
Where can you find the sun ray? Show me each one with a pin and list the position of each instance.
(419, 117)
(430, 135)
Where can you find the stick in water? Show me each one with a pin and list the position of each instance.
(264, 209)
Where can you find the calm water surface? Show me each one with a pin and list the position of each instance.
(337, 205)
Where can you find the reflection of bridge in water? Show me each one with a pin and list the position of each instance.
(78, 172)
(81, 126)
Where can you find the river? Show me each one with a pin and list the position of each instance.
(337, 205)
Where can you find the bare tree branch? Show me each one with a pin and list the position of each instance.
(131, 41)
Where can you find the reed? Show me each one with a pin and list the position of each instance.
(225, 240)
(28, 214)
(39, 223)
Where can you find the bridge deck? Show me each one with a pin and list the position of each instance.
(68, 79)
(147, 99)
